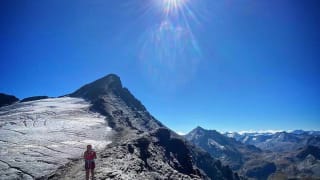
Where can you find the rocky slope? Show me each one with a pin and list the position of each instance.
(137, 147)
(140, 156)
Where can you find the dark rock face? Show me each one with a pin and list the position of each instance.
(313, 141)
(34, 98)
(309, 150)
(261, 170)
(213, 168)
(175, 147)
(6, 99)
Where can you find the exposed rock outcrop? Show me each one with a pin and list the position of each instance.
(6, 99)
(34, 98)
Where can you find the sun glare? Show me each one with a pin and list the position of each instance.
(172, 6)
(169, 48)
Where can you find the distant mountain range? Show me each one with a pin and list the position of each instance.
(260, 155)
(278, 141)
(228, 150)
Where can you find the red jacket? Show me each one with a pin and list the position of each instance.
(90, 155)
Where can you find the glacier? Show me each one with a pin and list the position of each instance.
(38, 137)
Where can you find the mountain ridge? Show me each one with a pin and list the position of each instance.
(136, 119)
(141, 146)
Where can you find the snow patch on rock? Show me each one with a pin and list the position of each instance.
(215, 144)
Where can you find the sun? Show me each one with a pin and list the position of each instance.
(173, 6)
(174, 3)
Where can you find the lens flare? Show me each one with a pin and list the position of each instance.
(169, 49)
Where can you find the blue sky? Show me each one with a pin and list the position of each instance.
(227, 65)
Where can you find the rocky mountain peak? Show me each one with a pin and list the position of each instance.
(109, 81)
(198, 129)
(205, 132)
(107, 84)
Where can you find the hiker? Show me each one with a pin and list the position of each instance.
(89, 156)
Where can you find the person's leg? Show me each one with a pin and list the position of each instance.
(87, 174)
(92, 173)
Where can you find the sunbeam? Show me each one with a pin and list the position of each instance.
(169, 49)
